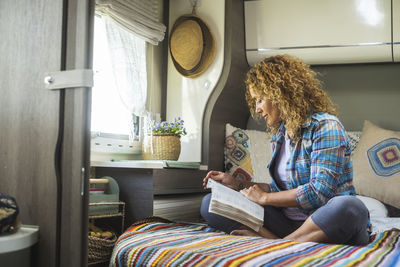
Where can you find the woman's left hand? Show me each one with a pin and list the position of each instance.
(255, 194)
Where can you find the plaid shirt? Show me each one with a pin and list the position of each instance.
(320, 166)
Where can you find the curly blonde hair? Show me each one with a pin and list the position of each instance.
(291, 85)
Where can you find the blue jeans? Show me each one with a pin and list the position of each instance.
(344, 219)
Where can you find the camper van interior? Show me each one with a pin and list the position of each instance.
(112, 112)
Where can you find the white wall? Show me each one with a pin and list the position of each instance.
(187, 97)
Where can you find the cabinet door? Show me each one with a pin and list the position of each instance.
(44, 134)
(320, 32)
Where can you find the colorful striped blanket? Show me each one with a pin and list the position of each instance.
(157, 242)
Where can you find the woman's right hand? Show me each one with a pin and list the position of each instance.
(222, 178)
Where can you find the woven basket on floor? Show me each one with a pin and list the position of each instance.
(161, 147)
(100, 249)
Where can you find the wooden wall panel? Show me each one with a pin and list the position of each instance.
(364, 92)
(30, 46)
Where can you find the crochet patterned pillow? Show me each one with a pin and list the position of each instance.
(247, 154)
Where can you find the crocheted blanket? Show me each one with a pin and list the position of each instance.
(159, 242)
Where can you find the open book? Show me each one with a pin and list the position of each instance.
(233, 205)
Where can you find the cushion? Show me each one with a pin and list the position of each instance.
(376, 162)
(376, 208)
(247, 154)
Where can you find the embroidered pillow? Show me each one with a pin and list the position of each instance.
(247, 154)
(376, 163)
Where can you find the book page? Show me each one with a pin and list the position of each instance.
(230, 197)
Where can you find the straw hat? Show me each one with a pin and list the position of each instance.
(192, 45)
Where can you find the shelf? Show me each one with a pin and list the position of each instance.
(121, 212)
(148, 164)
(106, 216)
(26, 236)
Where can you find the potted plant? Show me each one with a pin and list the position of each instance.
(162, 141)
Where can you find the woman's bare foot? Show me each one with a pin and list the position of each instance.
(244, 232)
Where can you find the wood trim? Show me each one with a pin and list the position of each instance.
(76, 138)
(227, 102)
(164, 63)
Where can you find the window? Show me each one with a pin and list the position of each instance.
(110, 111)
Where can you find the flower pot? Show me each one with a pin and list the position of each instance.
(161, 146)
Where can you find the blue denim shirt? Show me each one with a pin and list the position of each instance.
(320, 165)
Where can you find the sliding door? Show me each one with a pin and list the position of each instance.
(44, 134)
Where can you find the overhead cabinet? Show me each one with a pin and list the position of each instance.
(323, 32)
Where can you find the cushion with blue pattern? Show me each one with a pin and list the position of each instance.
(376, 164)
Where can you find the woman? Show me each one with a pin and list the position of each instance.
(311, 197)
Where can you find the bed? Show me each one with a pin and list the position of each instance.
(160, 242)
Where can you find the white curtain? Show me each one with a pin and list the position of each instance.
(137, 16)
(128, 60)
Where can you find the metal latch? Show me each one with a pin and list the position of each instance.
(69, 79)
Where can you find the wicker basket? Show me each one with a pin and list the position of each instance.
(99, 249)
(161, 147)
